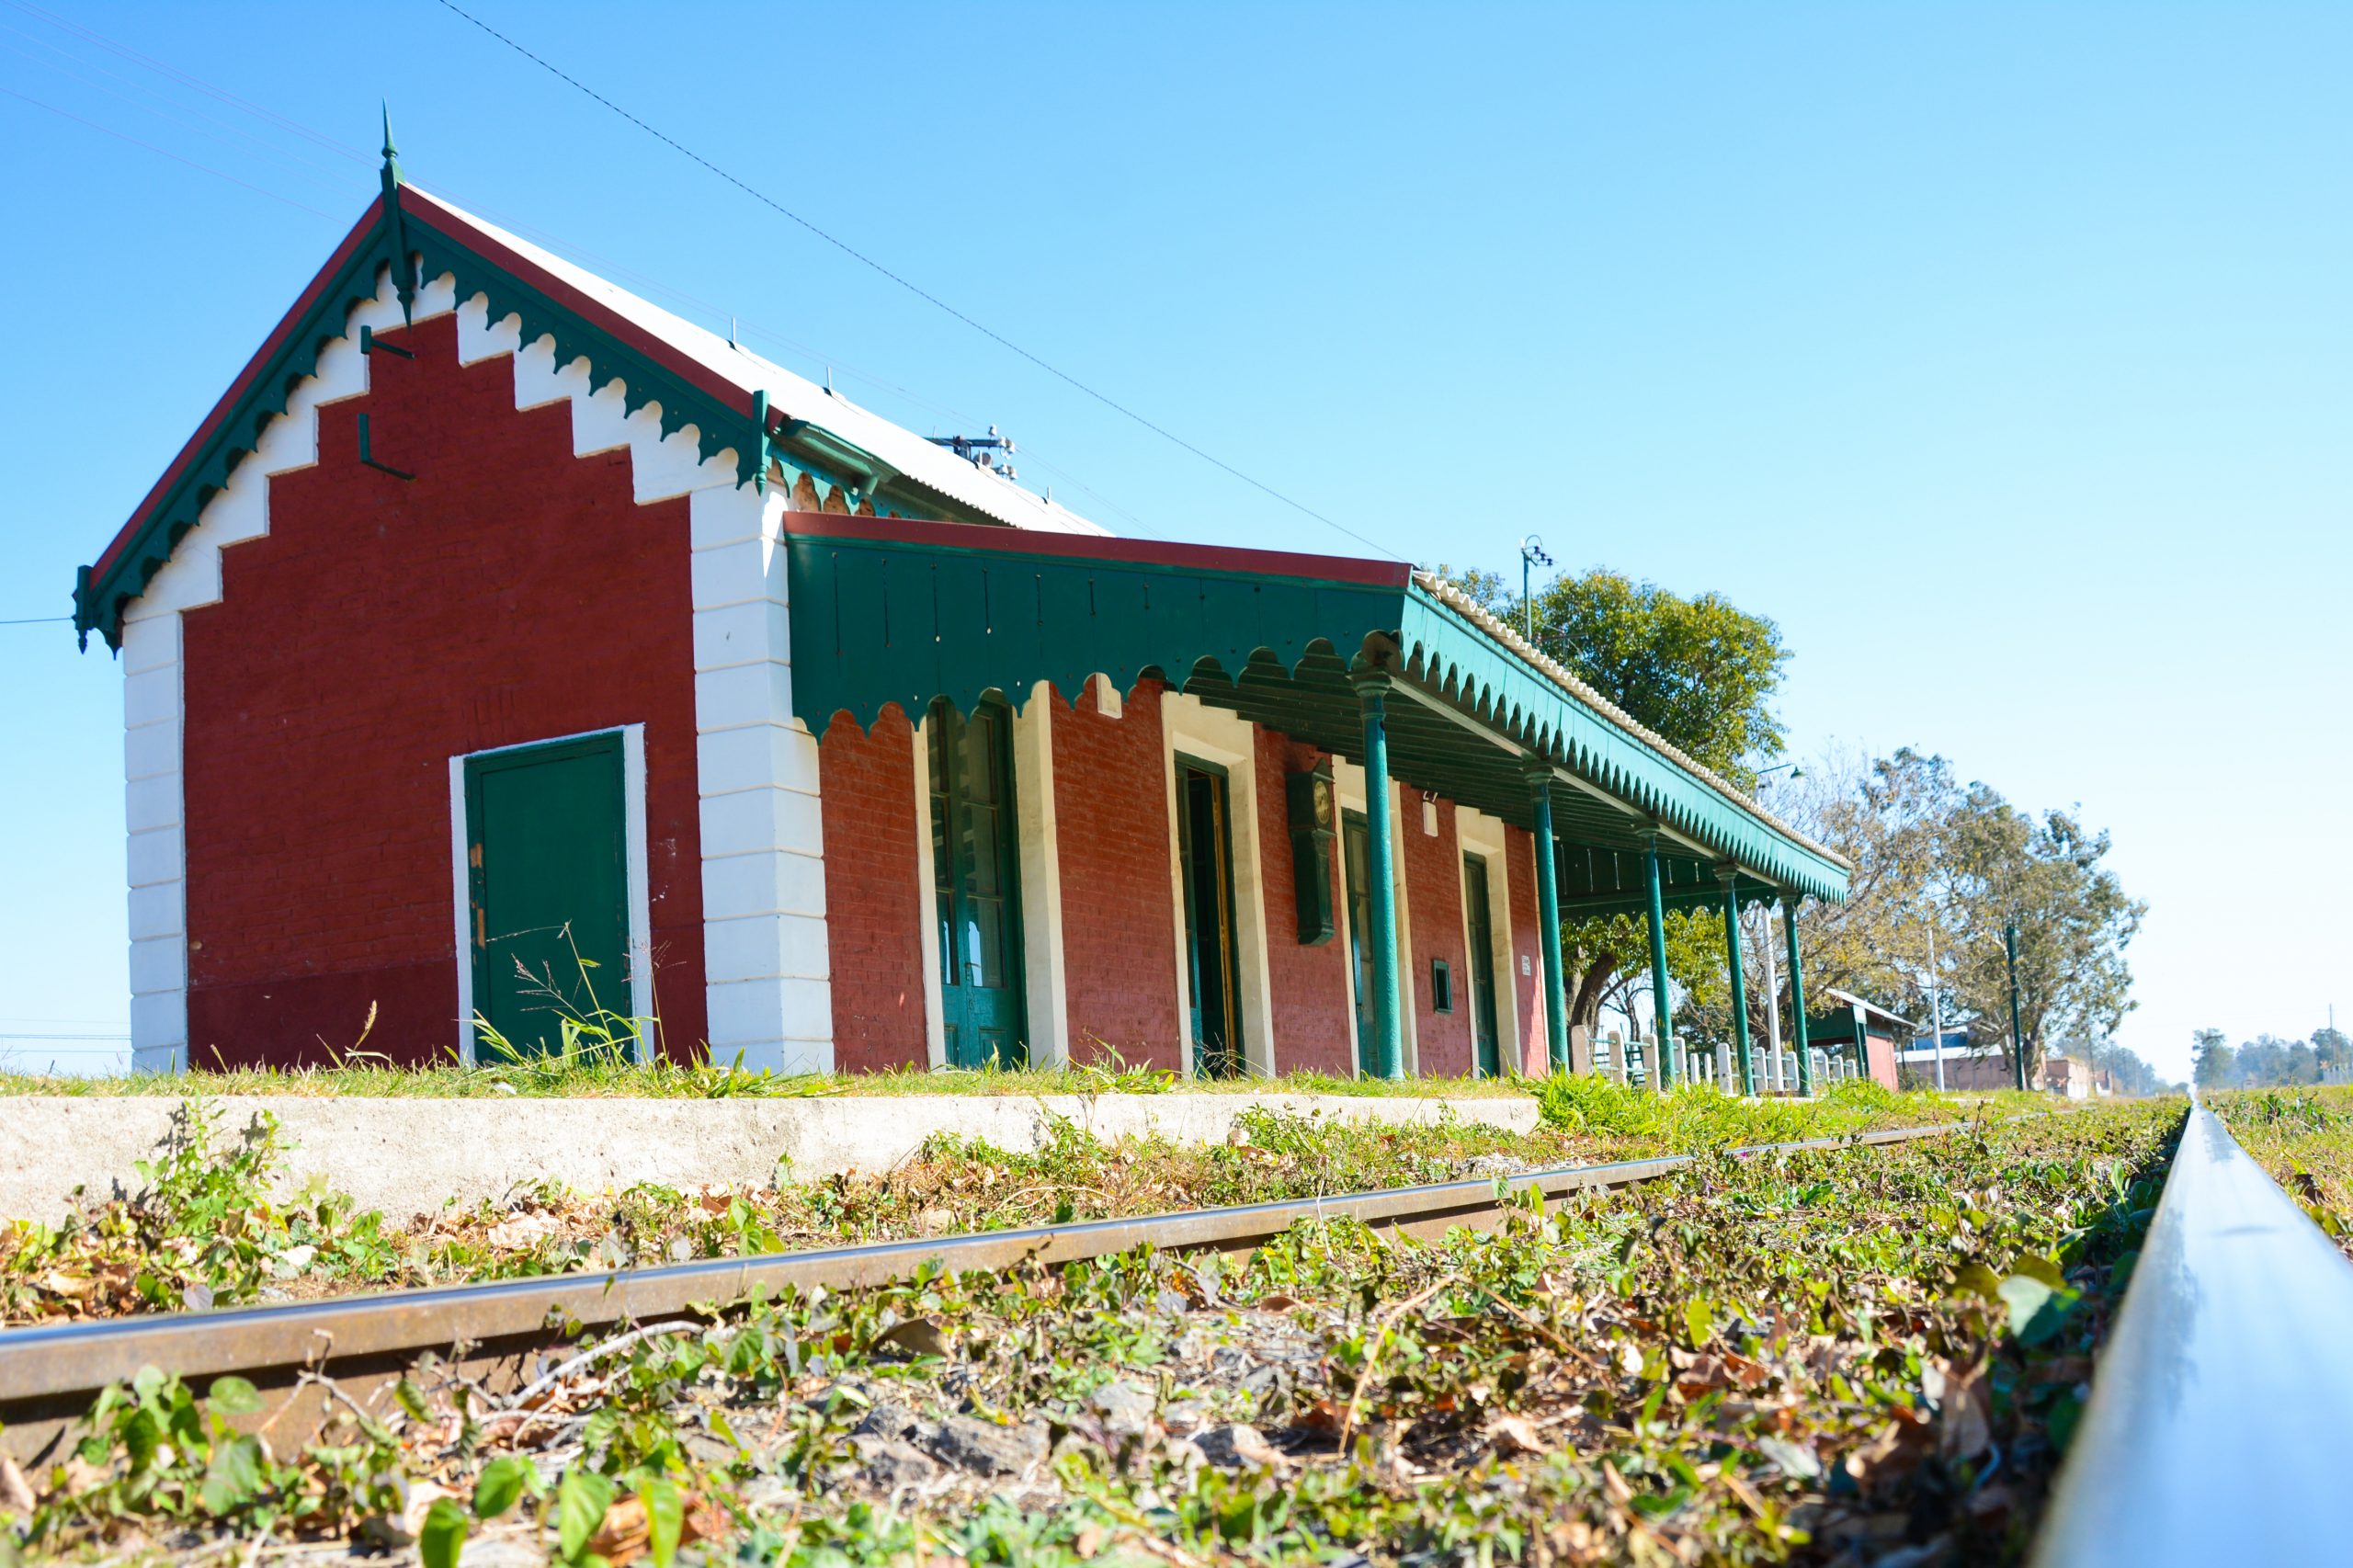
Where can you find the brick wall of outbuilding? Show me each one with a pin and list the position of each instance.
(874, 908)
(510, 593)
(1118, 907)
(1434, 914)
(1308, 986)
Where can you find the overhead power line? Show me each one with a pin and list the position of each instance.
(191, 163)
(207, 124)
(926, 295)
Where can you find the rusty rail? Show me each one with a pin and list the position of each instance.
(49, 1374)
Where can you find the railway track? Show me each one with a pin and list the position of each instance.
(494, 1331)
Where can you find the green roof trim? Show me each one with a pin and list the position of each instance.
(1475, 664)
(723, 418)
(904, 613)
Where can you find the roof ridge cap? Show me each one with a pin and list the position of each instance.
(1495, 626)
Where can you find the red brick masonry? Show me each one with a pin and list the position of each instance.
(510, 593)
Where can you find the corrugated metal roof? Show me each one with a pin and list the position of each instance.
(934, 467)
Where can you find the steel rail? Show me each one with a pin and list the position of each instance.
(51, 1373)
(2222, 1412)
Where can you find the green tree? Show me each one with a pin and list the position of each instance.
(2073, 915)
(1940, 867)
(2215, 1063)
(1892, 818)
(1700, 673)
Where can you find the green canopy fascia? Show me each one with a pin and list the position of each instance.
(894, 612)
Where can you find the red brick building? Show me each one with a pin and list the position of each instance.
(502, 648)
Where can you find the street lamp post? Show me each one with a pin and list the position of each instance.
(1531, 555)
(1935, 1010)
(2017, 1031)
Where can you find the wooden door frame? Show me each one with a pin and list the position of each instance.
(1226, 740)
(1237, 1047)
(1021, 914)
(637, 894)
(1475, 833)
(1476, 958)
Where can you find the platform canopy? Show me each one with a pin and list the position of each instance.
(886, 611)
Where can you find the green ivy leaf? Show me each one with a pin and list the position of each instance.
(500, 1485)
(143, 1434)
(234, 1477)
(2036, 1267)
(443, 1535)
(665, 1518)
(2036, 1309)
(1698, 1321)
(581, 1499)
(232, 1396)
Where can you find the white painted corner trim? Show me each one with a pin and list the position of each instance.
(766, 960)
(1045, 980)
(935, 1016)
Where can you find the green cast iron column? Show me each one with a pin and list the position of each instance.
(2018, 1033)
(1662, 1046)
(1547, 914)
(1739, 980)
(1797, 998)
(1388, 1031)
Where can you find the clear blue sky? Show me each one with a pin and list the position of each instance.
(2000, 353)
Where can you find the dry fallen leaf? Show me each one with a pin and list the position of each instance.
(422, 1495)
(917, 1336)
(1517, 1434)
(1968, 1417)
(14, 1491)
(1615, 1485)
(1253, 1449)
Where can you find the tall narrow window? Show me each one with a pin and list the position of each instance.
(1205, 853)
(1481, 964)
(975, 900)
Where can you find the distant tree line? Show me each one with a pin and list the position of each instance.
(2268, 1061)
(2126, 1072)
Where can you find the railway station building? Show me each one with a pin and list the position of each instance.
(503, 645)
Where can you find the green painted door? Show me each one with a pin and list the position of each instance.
(1205, 855)
(1483, 966)
(547, 851)
(1356, 849)
(976, 890)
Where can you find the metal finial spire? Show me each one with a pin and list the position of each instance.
(396, 231)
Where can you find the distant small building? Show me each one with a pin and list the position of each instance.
(2066, 1076)
(1965, 1066)
(1865, 1030)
